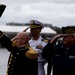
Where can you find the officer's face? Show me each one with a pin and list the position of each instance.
(35, 31)
(68, 39)
(20, 40)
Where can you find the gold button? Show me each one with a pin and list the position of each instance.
(12, 65)
(10, 59)
(14, 57)
(11, 55)
(9, 63)
(17, 53)
(11, 68)
(11, 72)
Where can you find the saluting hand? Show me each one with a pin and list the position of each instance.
(55, 38)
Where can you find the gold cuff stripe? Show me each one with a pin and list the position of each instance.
(1, 36)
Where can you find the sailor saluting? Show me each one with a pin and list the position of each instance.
(22, 59)
(62, 55)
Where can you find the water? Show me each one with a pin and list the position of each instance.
(4, 55)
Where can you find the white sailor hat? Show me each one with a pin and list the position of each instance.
(35, 24)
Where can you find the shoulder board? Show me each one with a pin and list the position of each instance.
(45, 40)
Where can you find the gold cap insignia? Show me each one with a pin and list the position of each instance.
(35, 24)
(68, 29)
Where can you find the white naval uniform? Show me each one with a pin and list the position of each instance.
(41, 60)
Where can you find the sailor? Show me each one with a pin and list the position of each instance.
(37, 43)
(22, 59)
(62, 55)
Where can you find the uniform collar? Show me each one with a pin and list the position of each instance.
(37, 40)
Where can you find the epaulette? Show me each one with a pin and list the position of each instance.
(45, 40)
(14, 43)
(27, 46)
(31, 54)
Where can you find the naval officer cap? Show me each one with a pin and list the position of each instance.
(68, 30)
(35, 24)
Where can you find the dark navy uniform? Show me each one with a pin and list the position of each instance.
(61, 57)
(19, 63)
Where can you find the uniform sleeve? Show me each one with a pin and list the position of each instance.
(47, 54)
(47, 51)
(6, 42)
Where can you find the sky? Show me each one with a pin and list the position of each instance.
(59, 13)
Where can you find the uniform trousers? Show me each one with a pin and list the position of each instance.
(41, 70)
